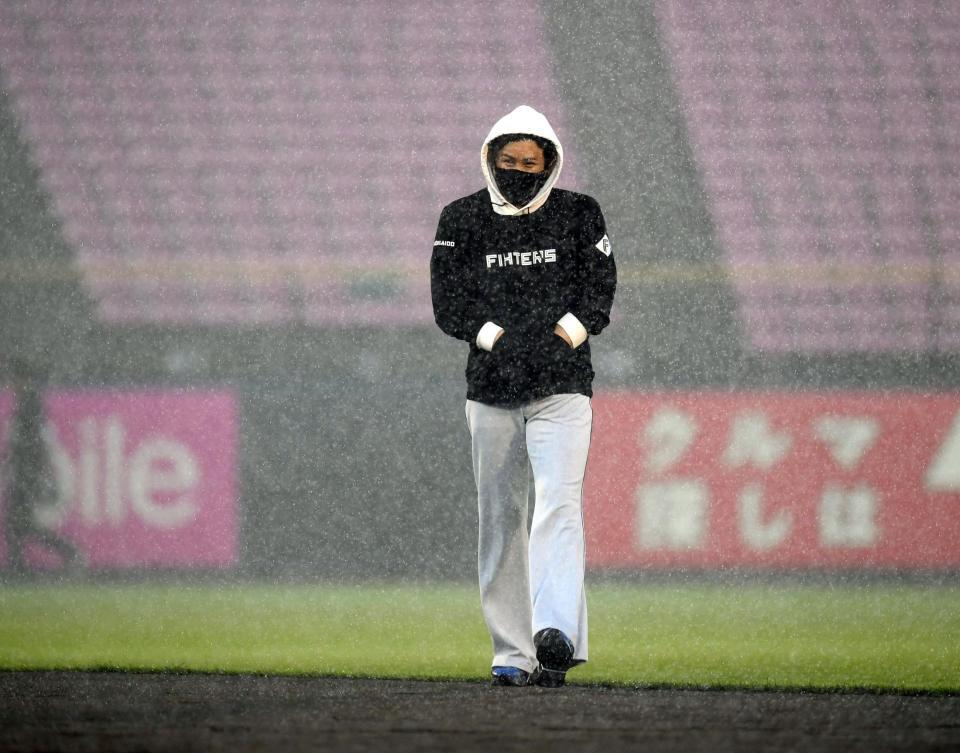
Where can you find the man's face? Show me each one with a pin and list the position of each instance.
(526, 156)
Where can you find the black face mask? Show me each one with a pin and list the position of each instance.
(519, 187)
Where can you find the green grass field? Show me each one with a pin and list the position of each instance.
(766, 636)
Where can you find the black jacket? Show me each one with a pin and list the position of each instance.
(523, 272)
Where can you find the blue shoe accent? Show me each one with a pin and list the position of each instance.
(509, 676)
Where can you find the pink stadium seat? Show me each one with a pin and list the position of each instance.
(160, 134)
(836, 145)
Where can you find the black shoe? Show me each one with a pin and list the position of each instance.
(555, 654)
(509, 676)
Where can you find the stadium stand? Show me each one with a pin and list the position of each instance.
(219, 177)
(263, 164)
(826, 136)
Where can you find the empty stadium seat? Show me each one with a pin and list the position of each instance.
(240, 137)
(826, 136)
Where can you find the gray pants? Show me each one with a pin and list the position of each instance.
(531, 580)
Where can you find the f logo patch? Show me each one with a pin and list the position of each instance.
(603, 246)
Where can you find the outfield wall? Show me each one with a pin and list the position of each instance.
(774, 480)
(352, 456)
(174, 479)
(137, 479)
(150, 479)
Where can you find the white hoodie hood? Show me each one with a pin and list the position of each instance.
(522, 120)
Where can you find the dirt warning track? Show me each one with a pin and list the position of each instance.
(106, 711)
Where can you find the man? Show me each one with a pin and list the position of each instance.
(27, 474)
(523, 272)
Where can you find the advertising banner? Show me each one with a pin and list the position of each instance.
(133, 479)
(830, 479)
